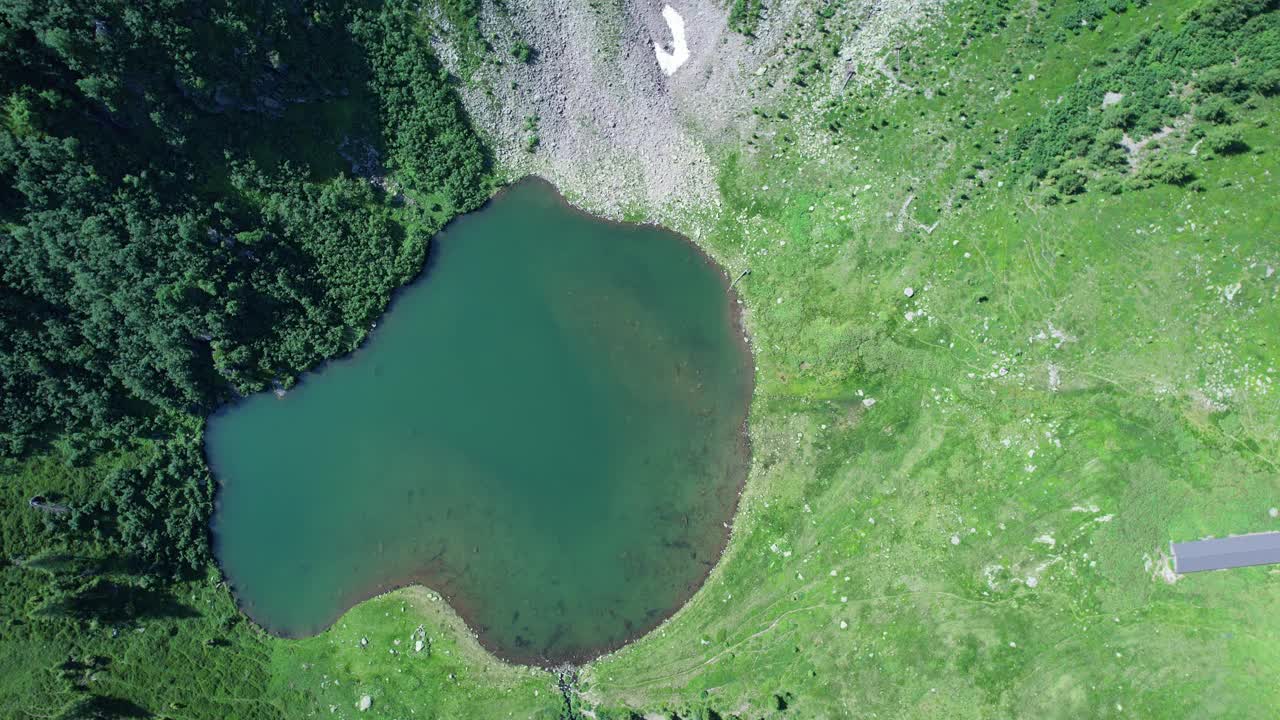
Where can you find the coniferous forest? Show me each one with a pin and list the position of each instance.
(183, 221)
(195, 206)
(1008, 271)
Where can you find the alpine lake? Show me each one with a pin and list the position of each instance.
(548, 428)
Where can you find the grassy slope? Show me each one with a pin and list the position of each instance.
(822, 610)
(187, 653)
(931, 627)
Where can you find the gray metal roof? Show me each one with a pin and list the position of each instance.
(1239, 551)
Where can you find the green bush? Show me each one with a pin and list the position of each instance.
(1070, 179)
(521, 51)
(1225, 140)
(1170, 169)
(1267, 82)
(1225, 79)
(744, 15)
(1215, 110)
(1110, 183)
(1107, 152)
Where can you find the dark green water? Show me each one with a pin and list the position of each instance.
(547, 428)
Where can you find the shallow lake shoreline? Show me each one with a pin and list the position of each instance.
(436, 581)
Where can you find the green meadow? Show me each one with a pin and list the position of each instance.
(1013, 335)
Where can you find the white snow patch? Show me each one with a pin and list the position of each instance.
(671, 61)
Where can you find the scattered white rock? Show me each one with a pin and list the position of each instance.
(1032, 582)
(417, 646)
(844, 625)
(909, 291)
(1273, 512)
(1163, 567)
(1047, 540)
(365, 703)
(868, 402)
(955, 539)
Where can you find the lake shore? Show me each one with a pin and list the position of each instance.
(445, 582)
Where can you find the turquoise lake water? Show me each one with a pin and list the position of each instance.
(547, 427)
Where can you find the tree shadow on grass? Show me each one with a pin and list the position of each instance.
(101, 707)
(114, 603)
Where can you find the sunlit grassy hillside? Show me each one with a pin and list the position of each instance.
(1015, 303)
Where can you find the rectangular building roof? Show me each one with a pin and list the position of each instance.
(1232, 552)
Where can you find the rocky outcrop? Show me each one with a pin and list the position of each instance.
(594, 113)
(613, 131)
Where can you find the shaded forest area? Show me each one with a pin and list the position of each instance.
(198, 200)
(174, 232)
